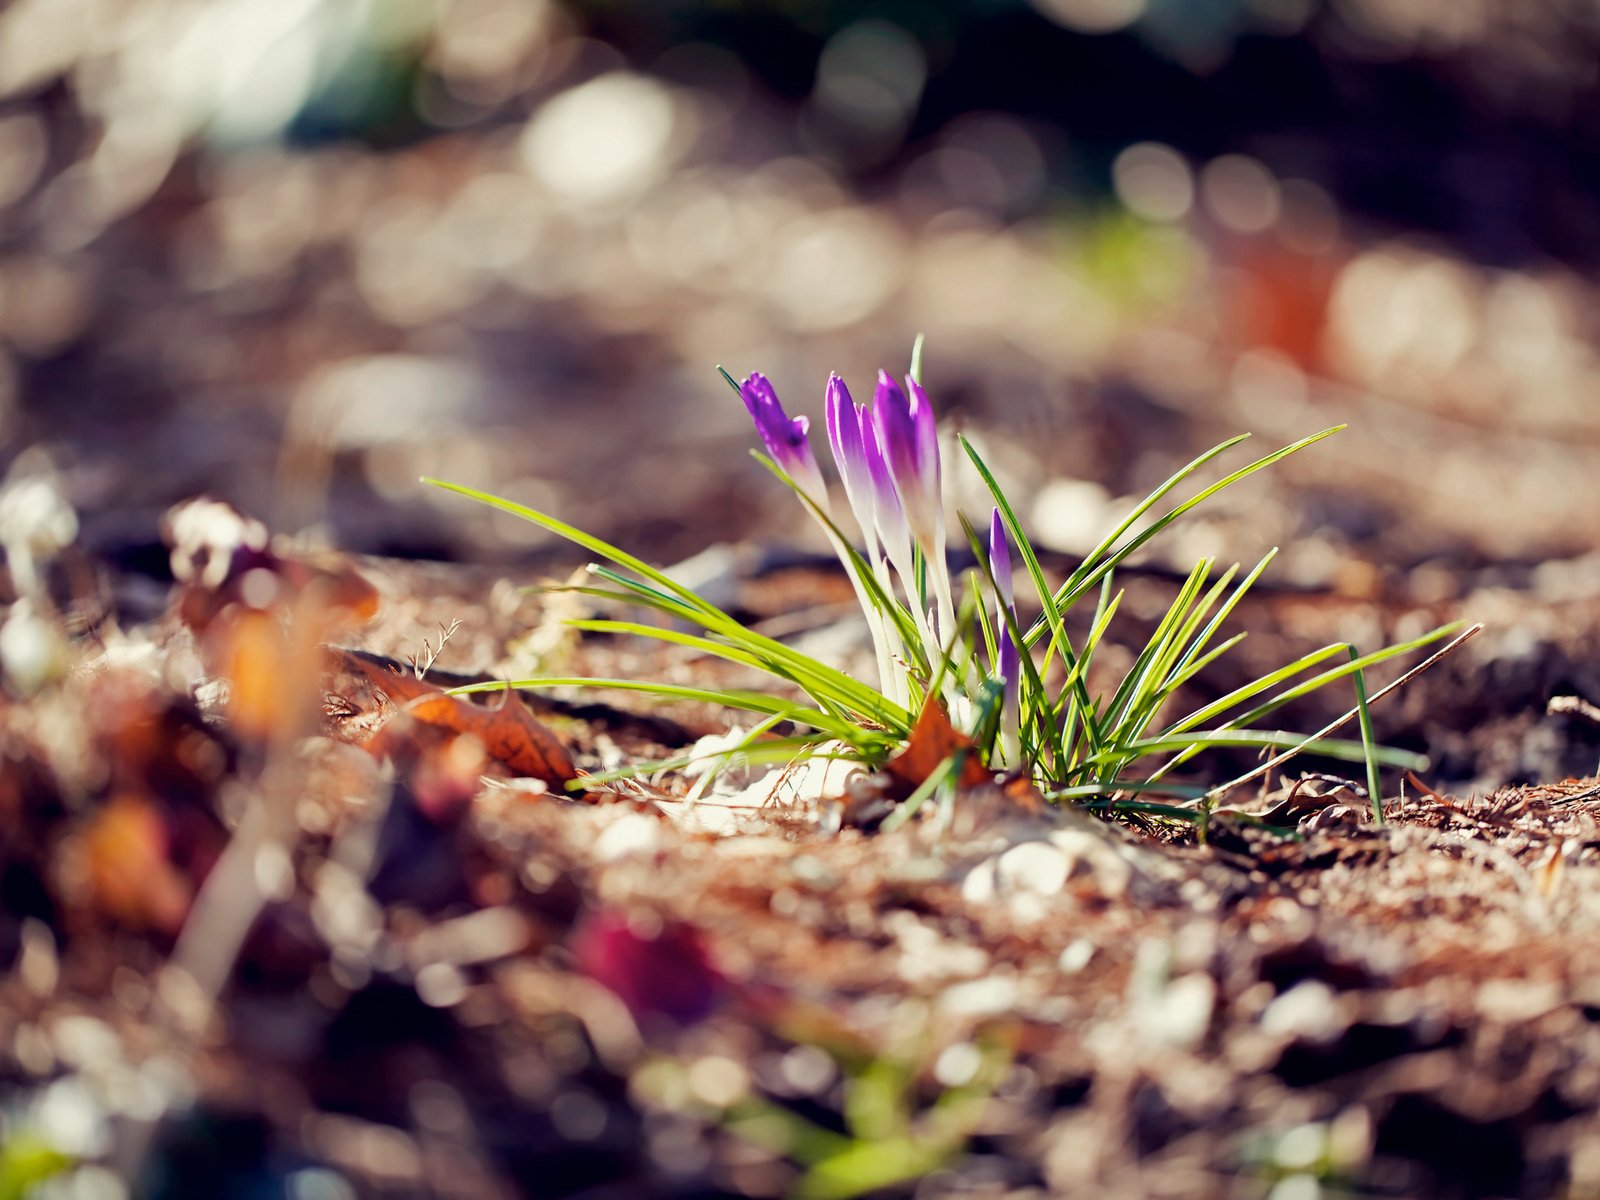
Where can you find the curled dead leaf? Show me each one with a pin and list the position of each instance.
(509, 734)
(934, 739)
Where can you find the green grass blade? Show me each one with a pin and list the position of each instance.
(909, 806)
(1103, 559)
(1142, 677)
(1374, 781)
(758, 702)
(822, 681)
(1341, 672)
(1051, 613)
(885, 603)
(1035, 717)
(588, 541)
(1341, 749)
(675, 637)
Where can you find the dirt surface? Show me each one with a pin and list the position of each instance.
(455, 988)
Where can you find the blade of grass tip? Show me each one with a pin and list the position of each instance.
(1189, 664)
(1374, 783)
(1466, 635)
(1333, 674)
(1092, 560)
(758, 702)
(916, 358)
(643, 593)
(1074, 587)
(732, 382)
(588, 541)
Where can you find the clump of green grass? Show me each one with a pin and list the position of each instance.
(1021, 693)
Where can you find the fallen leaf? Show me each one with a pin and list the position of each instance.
(362, 679)
(510, 735)
(933, 739)
(123, 856)
(1025, 794)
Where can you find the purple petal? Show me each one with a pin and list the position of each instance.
(888, 512)
(1009, 667)
(926, 428)
(1000, 558)
(908, 437)
(783, 438)
(844, 434)
(897, 434)
(849, 453)
(786, 440)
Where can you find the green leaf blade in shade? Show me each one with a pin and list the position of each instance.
(1374, 779)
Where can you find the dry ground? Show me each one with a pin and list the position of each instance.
(459, 989)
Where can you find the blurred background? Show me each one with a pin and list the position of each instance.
(298, 253)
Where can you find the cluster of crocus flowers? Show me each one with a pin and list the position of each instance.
(887, 455)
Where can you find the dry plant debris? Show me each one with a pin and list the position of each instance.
(444, 981)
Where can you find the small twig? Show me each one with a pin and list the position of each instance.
(1221, 789)
(1573, 706)
(430, 654)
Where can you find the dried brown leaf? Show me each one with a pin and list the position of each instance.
(933, 739)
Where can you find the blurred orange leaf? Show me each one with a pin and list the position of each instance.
(125, 862)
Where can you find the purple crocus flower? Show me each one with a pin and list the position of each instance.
(868, 479)
(849, 452)
(888, 507)
(786, 440)
(909, 439)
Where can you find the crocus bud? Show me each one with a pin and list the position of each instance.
(785, 439)
(909, 439)
(850, 454)
(888, 511)
(1008, 661)
(1000, 559)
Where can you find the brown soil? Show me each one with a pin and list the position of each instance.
(524, 995)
